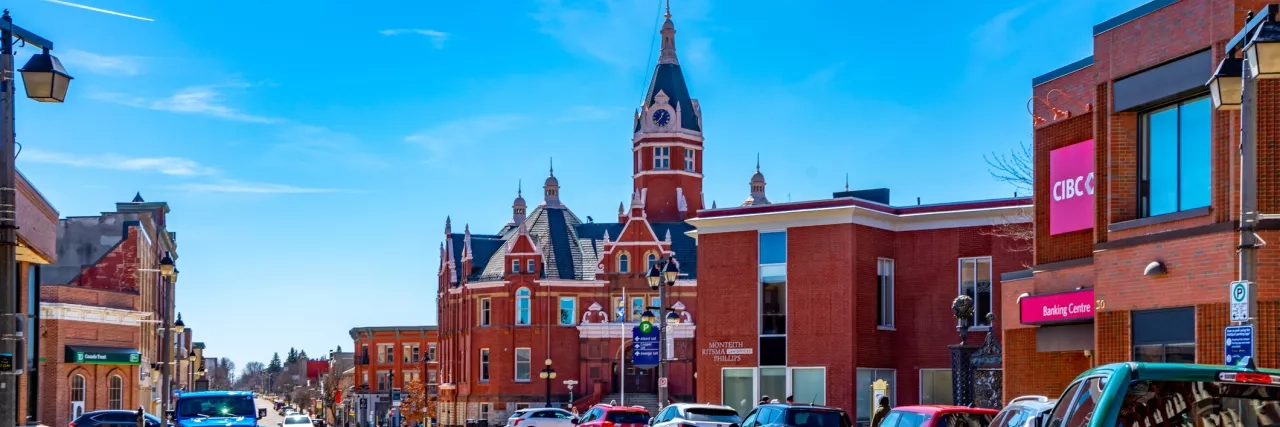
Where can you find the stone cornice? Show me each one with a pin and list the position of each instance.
(91, 314)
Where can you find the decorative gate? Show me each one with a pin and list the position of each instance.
(988, 376)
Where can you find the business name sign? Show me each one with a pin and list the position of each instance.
(1056, 308)
(1072, 185)
(103, 355)
(727, 351)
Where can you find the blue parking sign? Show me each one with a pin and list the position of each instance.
(644, 345)
(1238, 344)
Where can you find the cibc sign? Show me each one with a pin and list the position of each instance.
(1072, 185)
(1064, 307)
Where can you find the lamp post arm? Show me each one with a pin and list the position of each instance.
(26, 36)
(1266, 14)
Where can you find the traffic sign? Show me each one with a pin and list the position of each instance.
(644, 344)
(1238, 343)
(662, 382)
(1242, 302)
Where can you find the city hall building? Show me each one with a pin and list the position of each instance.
(1136, 198)
(820, 299)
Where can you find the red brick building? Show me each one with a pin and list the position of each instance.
(846, 291)
(1133, 261)
(550, 288)
(406, 353)
(37, 240)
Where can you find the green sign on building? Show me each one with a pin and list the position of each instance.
(92, 355)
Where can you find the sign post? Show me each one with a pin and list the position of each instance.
(644, 342)
(1243, 302)
(570, 384)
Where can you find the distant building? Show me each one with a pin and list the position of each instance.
(387, 358)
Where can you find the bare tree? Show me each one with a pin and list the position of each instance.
(1016, 168)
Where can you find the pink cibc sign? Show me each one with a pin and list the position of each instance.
(1072, 185)
(1056, 308)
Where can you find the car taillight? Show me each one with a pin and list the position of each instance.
(72, 424)
(607, 424)
(1249, 378)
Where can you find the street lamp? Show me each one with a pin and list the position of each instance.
(548, 374)
(191, 372)
(662, 274)
(47, 69)
(180, 326)
(1234, 86)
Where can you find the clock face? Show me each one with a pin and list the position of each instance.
(661, 117)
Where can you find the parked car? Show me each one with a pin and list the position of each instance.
(696, 415)
(939, 416)
(1167, 394)
(221, 408)
(776, 414)
(614, 416)
(1025, 411)
(540, 417)
(295, 420)
(113, 418)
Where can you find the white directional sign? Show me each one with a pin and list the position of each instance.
(1242, 301)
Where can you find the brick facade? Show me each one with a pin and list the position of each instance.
(1196, 245)
(404, 366)
(834, 251)
(37, 220)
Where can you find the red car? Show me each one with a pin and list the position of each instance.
(938, 416)
(615, 416)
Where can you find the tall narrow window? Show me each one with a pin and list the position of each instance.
(532, 267)
(484, 365)
(523, 358)
(522, 306)
(688, 159)
(115, 393)
(975, 281)
(772, 294)
(653, 260)
(624, 263)
(1177, 157)
(77, 388)
(431, 351)
(884, 276)
(637, 308)
(661, 157)
(568, 310)
(515, 266)
(484, 311)
(408, 353)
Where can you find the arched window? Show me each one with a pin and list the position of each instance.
(624, 263)
(522, 306)
(653, 259)
(77, 388)
(115, 393)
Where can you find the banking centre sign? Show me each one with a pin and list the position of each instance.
(90, 355)
(1072, 185)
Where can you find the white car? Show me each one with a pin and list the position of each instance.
(695, 414)
(540, 417)
(296, 421)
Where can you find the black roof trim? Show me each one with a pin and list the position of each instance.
(1062, 71)
(1136, 13)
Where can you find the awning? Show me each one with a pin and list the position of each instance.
(92, 355)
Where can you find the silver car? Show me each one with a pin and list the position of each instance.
(695, 414)
(1025, 411)
(540, 417)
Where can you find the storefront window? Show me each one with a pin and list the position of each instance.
(935, 387)
(809, 385)
(773, 383)
(1164, 335)
(1177, 148)
(738, 389)
(865, 378)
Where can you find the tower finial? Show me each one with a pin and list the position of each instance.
(757, 162)
(846, 182)
(519, 188)
(552, 160)
(668, 15)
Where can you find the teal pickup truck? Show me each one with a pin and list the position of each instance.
(1135, 394)
(216, 408)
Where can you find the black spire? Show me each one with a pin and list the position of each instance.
(137, 197)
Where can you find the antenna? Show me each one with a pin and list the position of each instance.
(91, 8)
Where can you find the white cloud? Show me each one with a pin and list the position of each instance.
(201, 100)
(242, 187)
(437, 37)
(440, 139)
(101, 64)
(617, 32)
(177, 166)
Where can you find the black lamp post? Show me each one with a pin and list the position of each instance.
(547, 374)
(662, 274)
(962, 353)
(45, 81)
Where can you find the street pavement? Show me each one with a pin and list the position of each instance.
(273, 418)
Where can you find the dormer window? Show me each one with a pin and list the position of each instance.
(515, 266)
(624, 263)
(532, 267)
(662, 157)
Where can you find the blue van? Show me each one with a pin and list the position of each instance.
(216, 408)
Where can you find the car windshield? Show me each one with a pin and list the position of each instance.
(216, 406)
(961, 419)
(719, 415)
(811, 418)
(627, 417)
(297, 420)
(1199, 404)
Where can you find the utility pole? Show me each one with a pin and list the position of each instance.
(1249, 183)
(8, 231)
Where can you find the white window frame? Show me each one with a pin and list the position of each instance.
(115, 392)
(635, 317)
(883, 266)
(485, 373)
(960, 289)
(755, 382)
(662, 157)
(515, 266)
(530, 266)
(431, 352)
(920, 386)
(689, 164)
(527, 299)
(573, 310)
(486, 313)
(791, 379)
(515, 365)
(624, 263)
(484, 411)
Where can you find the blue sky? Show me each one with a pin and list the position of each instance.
(311, 150)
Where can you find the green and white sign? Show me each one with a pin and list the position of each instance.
(91, 355)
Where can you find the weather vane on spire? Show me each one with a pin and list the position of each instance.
(519, 187)
(668, 15)
(552, 161)
(757, 162)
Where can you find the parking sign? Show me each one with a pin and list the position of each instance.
(1241, 301)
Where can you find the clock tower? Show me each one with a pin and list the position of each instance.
(667, 142)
